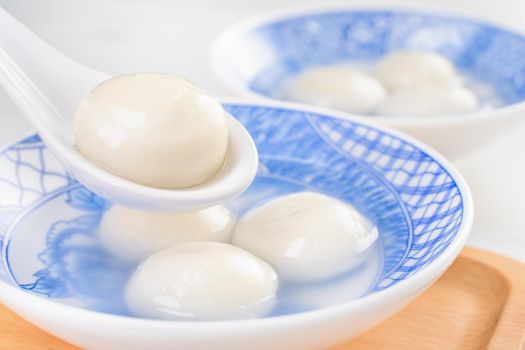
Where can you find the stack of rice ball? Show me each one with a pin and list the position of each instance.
(403, 83)
(162, 131)
(204, 265)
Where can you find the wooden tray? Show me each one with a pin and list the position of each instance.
(478, 304)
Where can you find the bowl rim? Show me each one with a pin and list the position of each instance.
(414, 284)
(241, 27)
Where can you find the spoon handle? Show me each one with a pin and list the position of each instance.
(33, 105)
(30, 67)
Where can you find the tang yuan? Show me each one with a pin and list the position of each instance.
(202, 281)
(306, 236)
(341, 87)
(157, 130)
(131, 234)
(403, 69)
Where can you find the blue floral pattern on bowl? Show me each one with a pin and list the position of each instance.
(282, 47)
(48, 222)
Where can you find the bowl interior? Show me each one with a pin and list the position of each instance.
(261, 56)
(48, 221)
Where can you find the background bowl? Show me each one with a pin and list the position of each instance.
(254, 57)
(56, 275)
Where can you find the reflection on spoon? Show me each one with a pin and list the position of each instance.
(48, 87)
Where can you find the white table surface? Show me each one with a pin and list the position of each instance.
(118, 36)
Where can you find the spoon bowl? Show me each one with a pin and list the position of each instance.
(48, 86)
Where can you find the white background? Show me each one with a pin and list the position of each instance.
(120, 36)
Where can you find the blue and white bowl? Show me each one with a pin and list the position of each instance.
(54, 272)
(255, 57)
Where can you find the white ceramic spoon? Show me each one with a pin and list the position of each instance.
(48, 86)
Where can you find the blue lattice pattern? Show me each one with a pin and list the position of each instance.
(427, 191)
(28, 172)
